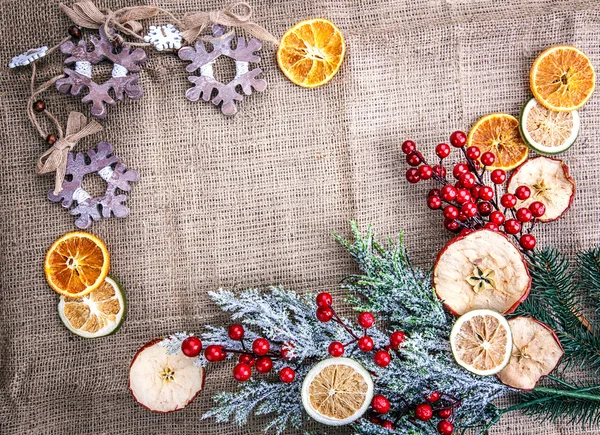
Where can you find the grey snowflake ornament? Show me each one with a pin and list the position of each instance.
(126, 60)
(205, 84)
(106, 165)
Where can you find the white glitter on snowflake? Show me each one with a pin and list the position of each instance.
(164, 37)
(29, 56)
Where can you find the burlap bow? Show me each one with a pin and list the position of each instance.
(196, 22)
(55, 159)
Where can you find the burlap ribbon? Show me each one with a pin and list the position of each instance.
(55, 159)
(196, 22)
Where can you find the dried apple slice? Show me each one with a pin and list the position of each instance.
(536, 353)
(549, 182)
(482, 270)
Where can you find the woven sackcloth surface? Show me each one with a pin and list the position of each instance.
(251, 200)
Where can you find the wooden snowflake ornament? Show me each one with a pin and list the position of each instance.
(164, 37)
(125, 59)
(205, 84)
(106, 165)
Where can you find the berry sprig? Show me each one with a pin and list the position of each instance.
(470, 204)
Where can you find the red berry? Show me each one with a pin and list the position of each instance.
(191, 346)
(467, 180)
(462, 217)
(434, 202)
(527, 242)
(473, 153)
(246, 358)
(287, 375)
(425, 172)
(408, 147)
(433, 192)
(324, 300)
(465, 232)
(324, 314)
(451, 225)
(366, 319)
(412, 175)
(214, 353)
(433, 397)
(444, 413)
(491, 226)
(537, 209)
(486, 193)
(397, 338)
(475, 191)
(387, 424)
(261, 346)
(448, 193)
(423, 412)
(462, 196)
(524, 215)
(444, 427)
(382, 358)
(442, 150)
(485, 208)
(380, 404)
(458, 139)
(512, 226)
(488, 159)
(498, 176)
(497, 217)
(236, 332)
(469, 209)
(286, 351)
(242, 372)
(365, 343)
(336, 349)
(450, 212)
(264, 364)
(459, 169)
(522, 192)
(413, 159)
(440, 171)
(508, 200)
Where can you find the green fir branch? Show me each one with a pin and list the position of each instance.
(588, 267)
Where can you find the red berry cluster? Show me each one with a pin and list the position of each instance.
(469, 204)
(382, 357)
(260, 356)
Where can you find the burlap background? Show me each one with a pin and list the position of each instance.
(252, 200)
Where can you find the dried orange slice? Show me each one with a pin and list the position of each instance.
(481, 342)
(337, 391)
(311, 52)
(499, 134)
(76, 264)
(562, 78)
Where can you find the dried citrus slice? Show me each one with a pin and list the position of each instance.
(481, 342)
(547, 131)
(311, 52)
(337, 391)
(76, 264)
(499, 134)
(562, 78)
(97, 314)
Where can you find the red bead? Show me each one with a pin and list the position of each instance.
(387, 424)
(242, 372)
(498, 176)
(382, 358)
(433, 397)
(380, 404)
(465, 232)
(486, 193)
(336, 349)
(324, 300)
(527, 242)
(214, 353)
(51, 139)
(423, 412)
(433, 192)
(236, 332)
(467, 180)
(537, 209)
(397, 338)
(440, 171)
(491, 226)
(469, 209)
(488, 159)
(485, 208)
(412, 175)
(473, 153)
(191, 346)
(366, 319)
(459, 169)
(413, 159)
(75, 32)
(39, 106)
(497, 217)
(442, 150)
(508, 200)
(524, 215)
(522, 192)
(286, 351)
(261, 346)
(264, 364)
(246, 358)
(451, 225)
(444, 413)
(324, 314)
(425, 172)
(448, 193)
(458, 139)
(450, 212)
(365, 343)
(434, 202)
(287, 375)
(512, 226)
(462, 196)
(408, 147)
(445, 427)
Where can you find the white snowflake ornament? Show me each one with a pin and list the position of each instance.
(29, 56)
(164, 37)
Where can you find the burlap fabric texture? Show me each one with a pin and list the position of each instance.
(251, 200)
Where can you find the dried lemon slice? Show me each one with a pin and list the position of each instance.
(481, 342)
(337, 391)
